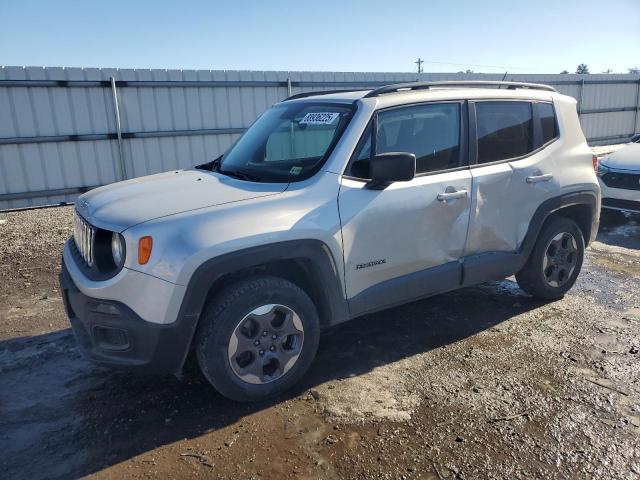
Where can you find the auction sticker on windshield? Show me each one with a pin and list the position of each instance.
(319, 118)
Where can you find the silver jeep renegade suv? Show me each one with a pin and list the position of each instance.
(330, 206)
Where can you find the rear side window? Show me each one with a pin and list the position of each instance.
(548, 123)
(431, 132)
(504, 130)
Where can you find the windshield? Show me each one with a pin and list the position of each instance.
(288, 143)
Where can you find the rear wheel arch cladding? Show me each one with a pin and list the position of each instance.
(584, 201)
(582, 214)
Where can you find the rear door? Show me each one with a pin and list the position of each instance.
(404, 241)
(512, 166)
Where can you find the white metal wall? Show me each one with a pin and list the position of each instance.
(58, 132)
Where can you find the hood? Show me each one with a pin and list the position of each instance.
(121, 205)
(627, 158)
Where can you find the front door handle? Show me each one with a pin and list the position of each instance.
(539, 178)
(447, 195)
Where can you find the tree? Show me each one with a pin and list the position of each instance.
(635, 70)
(582, 68)
(608, 70)
(564, 72)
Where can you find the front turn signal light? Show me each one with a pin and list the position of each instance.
(145, 245)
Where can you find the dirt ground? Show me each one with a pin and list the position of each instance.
(480, 383)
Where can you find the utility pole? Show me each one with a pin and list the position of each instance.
(419, 63)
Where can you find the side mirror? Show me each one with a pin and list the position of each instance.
(387, 168)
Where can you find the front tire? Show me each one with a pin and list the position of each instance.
(257, 338)
(555, 262)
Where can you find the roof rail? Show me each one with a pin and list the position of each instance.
(397, 87)
(323, 92)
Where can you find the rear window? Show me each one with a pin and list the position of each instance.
(547, 122)
(504, 130)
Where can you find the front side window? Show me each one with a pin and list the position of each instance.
(431, 132)
(289, 142)
(504, 130)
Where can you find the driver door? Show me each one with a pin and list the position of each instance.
(403, 242)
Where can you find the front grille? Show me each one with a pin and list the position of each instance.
(83, 235)
(627, 181)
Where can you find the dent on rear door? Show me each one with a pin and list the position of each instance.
(493, 216)
(503, 203)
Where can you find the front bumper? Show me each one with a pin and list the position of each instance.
(110, 333)
(620, 198)
(621, 204)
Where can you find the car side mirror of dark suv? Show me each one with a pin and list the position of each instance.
(387, 168)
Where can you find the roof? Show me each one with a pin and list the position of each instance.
(424, 91)
(339, 95)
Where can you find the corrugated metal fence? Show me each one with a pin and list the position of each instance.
(66, 130)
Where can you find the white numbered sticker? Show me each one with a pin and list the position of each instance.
(319, 118)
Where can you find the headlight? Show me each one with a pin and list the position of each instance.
(117, 249)
(602, 169)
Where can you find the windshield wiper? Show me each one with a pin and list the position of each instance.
(239, 175)
(213, 165)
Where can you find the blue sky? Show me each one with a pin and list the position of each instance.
(543, 36)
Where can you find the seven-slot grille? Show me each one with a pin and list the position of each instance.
(83, 235)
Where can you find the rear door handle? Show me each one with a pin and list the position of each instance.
(539, 178)
(443, 197)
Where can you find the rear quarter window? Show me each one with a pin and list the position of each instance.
(548, 123)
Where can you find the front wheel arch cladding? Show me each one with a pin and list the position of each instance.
(209, 274)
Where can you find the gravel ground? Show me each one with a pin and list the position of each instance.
(30, 248)
(481, 383)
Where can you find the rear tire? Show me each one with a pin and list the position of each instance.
(555, 262)
(257, 338)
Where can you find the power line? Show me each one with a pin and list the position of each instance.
(479, 65)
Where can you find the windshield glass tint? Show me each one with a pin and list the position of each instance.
(288, 142)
